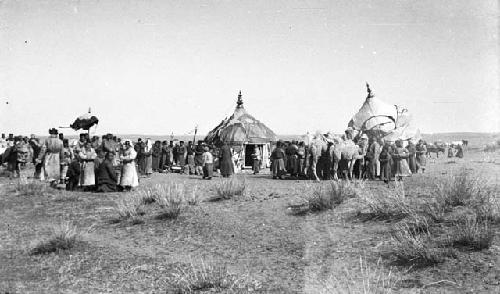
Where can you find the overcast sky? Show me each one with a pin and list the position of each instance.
(156, 67)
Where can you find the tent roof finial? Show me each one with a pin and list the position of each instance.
(370, 93)
(239, 103)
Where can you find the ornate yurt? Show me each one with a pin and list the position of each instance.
(243, 133)
(379, 119)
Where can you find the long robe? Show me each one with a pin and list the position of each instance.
(401, 165)
(278, 162)
(129, 177)
(51, 151)
(421, 157)
(226, 161)
(385, 166)
(106, 177)
(156, 157)
(87, 157)
(412, 151)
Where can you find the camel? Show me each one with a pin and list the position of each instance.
(342, 154)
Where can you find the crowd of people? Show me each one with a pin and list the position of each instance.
(108, 163)
(374, 159)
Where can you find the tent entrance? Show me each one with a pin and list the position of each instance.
(248, 154)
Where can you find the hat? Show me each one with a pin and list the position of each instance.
(53, 131)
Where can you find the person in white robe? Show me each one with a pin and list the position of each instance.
(50, 155)
(87, 156)
(129, 178)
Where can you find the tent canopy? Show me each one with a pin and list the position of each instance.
(382, 120)
(240, 128)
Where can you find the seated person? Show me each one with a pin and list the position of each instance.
(106, 176)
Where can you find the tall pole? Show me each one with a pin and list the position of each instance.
(195, 131)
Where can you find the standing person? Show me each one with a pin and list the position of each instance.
(73, 174)
(106, 177)
(170, 154)
(400, 157)
(301, 155)
(278, 163)
(148, 157)
(181, 155)
(256, 158)
(374, 152)
(460, 151)
(35, 145)
(66, 158)
(208, 164)
(385, 164)
(163, 157)
(226, 161)
(87, 158)
(421, 150)
(156, 155)
(139, 149)
(412, 152)
(51, 153)
(129, 178)
(198, 158)
(190, 158)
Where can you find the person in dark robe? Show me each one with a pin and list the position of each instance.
(412, 156)
(181, 155)
(385, 164)
(36, 146)
(190, 167)
(73, 174)
(278, 161)
(226, 161)
(156, 156)
(460, 151)
(106, 176)
(139, 149)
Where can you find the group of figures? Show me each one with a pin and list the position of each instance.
(106, 164)
(351, 155)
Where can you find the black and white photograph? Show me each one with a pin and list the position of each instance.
(249, 146)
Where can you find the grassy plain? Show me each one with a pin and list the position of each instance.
(252, 242)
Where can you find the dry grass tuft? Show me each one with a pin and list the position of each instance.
(130, 206)
(170, 199)
(64, 237)
(415, 224)
(472, 234)
(29, 187)
(415, 249)
(205, 277)
(392, 205)
(331, 195)
(366, 279)
(459, 189)
(227, 188)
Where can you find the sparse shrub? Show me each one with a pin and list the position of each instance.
(130, 206)
(473, 234)
(29, 187)
(330, 195)
(414, 223)
(458, 189)
(415, 249)
(435, 209)
(170, 200)
(192, 196)
(64, 237)
(229, 187)
(393, 205)
(204, 277)
(365, 279)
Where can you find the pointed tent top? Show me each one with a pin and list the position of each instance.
(370, 93)
(239, 103)
(89, 110)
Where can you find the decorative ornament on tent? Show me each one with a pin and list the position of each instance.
(84, 122)
(381, 120)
